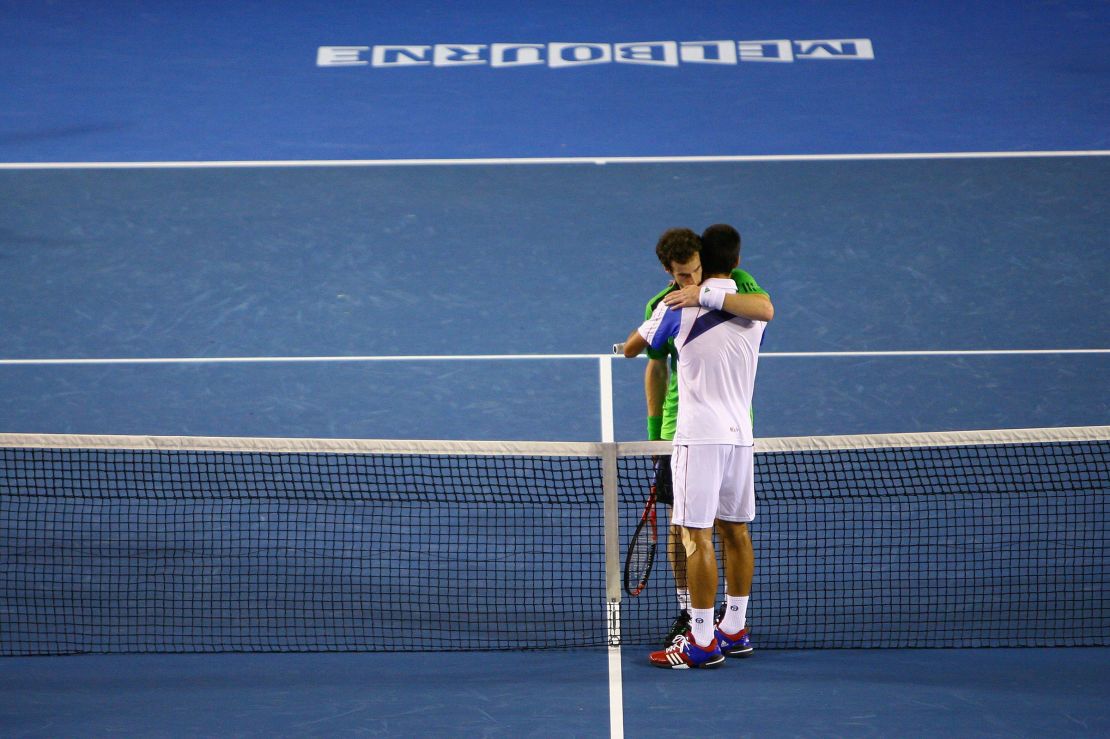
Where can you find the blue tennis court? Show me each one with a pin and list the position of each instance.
(319, 261)
(361, 222)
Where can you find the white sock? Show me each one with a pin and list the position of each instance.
(683, 598)
(701, 623)
(736, 614)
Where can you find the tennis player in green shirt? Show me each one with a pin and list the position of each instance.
(661, 379)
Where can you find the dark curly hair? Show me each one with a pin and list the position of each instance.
(677, 245)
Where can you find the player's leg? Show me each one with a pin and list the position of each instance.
(678, 566)
(736, 540)
(698, 647)
(722, 556)
(696, 482)
(676, 554)
(697, 477)
(736, 509)
(701, 572)
(732, 630)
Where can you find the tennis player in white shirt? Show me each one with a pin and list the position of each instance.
(712, 463)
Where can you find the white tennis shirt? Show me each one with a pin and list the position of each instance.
(717, 357)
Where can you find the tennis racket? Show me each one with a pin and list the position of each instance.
(641, 552)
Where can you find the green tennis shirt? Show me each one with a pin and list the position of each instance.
(745, 283)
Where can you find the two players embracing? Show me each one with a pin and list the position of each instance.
(710, 323)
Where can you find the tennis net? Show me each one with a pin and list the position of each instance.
(176, 544)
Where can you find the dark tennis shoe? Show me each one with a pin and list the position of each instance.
(679, 628)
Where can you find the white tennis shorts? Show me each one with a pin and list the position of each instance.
(712, 481)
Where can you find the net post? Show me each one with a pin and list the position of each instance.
(609, 483)
(605, 383)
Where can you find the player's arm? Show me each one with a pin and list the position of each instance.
(750, 301)
(753, 306)
(634, 345)
(655, 389)
(656, 375)
(655, 385)
(654, 332)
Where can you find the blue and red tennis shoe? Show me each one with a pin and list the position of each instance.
(684, 654)
(734, 645)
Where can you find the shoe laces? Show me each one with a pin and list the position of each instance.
(679, 643)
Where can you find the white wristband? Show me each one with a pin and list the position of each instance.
(712, 298)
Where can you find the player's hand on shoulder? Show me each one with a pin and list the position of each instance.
(686, 297)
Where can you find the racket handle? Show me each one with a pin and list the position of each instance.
(618, 348)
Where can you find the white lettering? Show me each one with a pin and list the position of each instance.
(453, 55)
(573, 55)
(340, 56)
(849, 48)
(400, 56)
(516, 55)
(708, 52)
(564, 54)
(660, 53)
(765, 51)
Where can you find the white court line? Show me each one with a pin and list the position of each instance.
(552, 160)
(616, 691)
(935, 353)
(504, 357)
(612, 550)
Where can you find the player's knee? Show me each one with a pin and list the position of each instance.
(689, 543)
(733, 532)
(696, 539)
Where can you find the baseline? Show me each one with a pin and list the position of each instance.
(600, 160)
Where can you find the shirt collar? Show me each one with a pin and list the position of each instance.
(721, 283)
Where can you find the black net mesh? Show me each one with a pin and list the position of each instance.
(196, 551)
